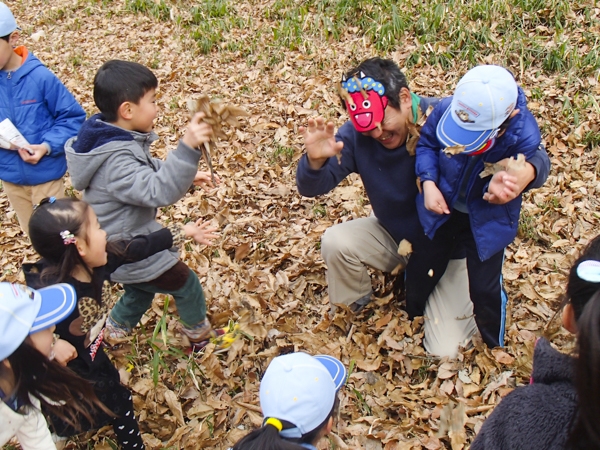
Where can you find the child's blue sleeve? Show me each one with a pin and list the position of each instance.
(428, 147)
(541, 162)
(68, 114)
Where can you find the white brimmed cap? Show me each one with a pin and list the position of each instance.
(24, 311)
(484, 98)
(8, 24)
(301, 389)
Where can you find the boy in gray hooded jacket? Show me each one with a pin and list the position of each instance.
(110, 160)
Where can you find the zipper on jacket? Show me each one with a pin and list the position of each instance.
(11, 108)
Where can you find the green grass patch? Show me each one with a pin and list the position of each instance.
(282, 154)
(159, 10)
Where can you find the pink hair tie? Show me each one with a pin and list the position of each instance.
(67, 237)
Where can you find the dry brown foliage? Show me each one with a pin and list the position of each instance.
(266, 272)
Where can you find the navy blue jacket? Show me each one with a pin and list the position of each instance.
(537, 416)
(493, 226)
(43, 110)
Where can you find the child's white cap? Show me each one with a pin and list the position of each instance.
(8, 24)
(24, 311)
(301, 389)
(484, 98)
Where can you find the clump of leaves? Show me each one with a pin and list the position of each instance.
(217, 114)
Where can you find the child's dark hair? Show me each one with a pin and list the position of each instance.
(6, 38)
(584, 297)
(59, 390)
(119, 81)
(49, 219)
(387, 73)
(267, 437)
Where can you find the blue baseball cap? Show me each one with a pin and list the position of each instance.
(483, 99)
(301, 389)
(8, 24)
(24, 311)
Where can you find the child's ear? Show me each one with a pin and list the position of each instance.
(14, 38)
(81, 247)
(568, 318)
(329, 425)
(514, 113)
(405, 98)
(125, 111)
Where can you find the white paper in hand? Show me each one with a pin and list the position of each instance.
(11, 138)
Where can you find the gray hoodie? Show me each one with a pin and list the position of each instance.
(125, 186)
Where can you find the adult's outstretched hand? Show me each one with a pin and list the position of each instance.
(320, 143)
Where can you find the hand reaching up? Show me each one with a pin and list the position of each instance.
(201, 232)
(320, 143)
(198, 132)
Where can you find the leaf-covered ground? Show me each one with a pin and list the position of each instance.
(280, 61)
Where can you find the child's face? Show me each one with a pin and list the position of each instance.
(43, 340)
(144, 112)
(9, 60)
(92, 246)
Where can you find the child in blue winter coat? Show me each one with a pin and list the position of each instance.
(45, 113)
(486, 121)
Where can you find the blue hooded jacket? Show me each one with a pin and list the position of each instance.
(43, 110)
(493, 226)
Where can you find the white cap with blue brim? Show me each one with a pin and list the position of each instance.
(301, 389)
(483, 99)
(24, 311)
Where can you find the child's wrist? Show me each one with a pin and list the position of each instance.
(429, 184)
(179, 234)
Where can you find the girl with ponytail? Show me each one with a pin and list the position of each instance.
(66, 233)
(298, 398)
(560, 408)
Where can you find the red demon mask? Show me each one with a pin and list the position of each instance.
(365, 101)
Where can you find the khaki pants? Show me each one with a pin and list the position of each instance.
(24, 198)
(351, 247)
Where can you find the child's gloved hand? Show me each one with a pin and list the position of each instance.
(204, 180)
(63, 352)
(201, 232)
(434, 199)
(198, 132)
